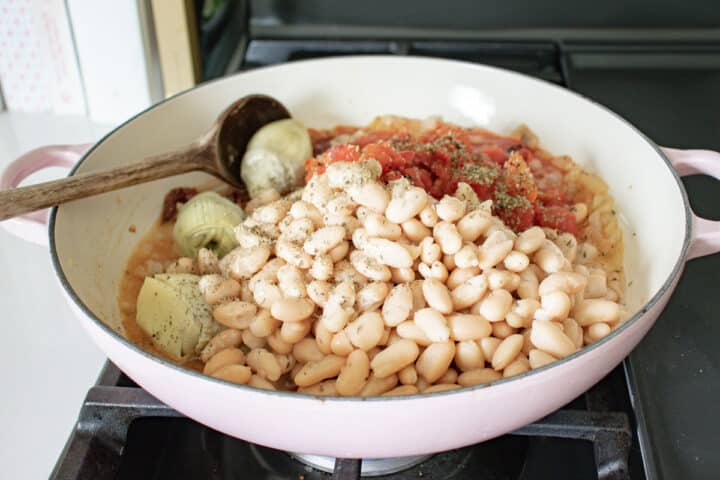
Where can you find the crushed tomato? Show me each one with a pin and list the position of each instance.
(526, 188)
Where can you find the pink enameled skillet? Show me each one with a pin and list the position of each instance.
(90, 243)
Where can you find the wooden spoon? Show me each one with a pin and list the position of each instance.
(218, 152)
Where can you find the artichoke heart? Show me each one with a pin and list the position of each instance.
(173, 312)
(207, 221)
(275, 157)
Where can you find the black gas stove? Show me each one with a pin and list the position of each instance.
(655, 63)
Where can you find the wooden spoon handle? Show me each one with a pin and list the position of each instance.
(35, 197)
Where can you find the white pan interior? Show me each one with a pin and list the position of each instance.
(93, 242)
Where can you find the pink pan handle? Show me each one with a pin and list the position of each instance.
(705, 233)
(33, 226)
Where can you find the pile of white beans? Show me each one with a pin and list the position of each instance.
(361, 288)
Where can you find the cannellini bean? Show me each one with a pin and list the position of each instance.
(317, 191)
(266, 293)
(408, 375)
(529, 241)
(596, 310)
(573, 331)
(527, 345)
(322, 389)
(496, 305)
(293, 332)
(469, 355)
(264, 364)
(371, 195)
(378, 226)
(450, 209)
(596, 331)
(343, 271)
(440, 387)
(181, 265)
(548, 337)
(324, 239)
(468, 327)
(405, 207)
(568, 282)
(447, 237)
(502, 330)
(502, 279)
(291, 281)
(435, 360)
(538, 358)
(394, 358)
(263, 324)
(586, 253)
(450, 376)
(207, 261)
(568, 245)
(550, 258)
(354, 374)
(220, 291)
(228, 356)
(553, 306)
(460, 275)
(275, 342)
(267, 272)
(506, 352)
(467, 256)
(262, 198)
(516, 261)
(244, 262)
(516, 367)
(596, 285)
(323, 338)
(526, 307)
(322, 267)
(340, 205)
(433, 324)
(398, 304)
(315, 372)
(580, 210)
(429, 251)
(259, 382)
(319, 291)
(388, 253)
(516, 321)
(292, 309)
(478, 376)
(428, 216)
(307, 350)
(293, 254)
(371, 296)
(410, 331)
(488, 346)
(494, 250)
(528, 287)
(272, 212)
(418, 299)
(335, 316)
(233, 373)
(303, 209)
(340, 251)
(229, 338)
(473, 224)
(402, 390)
(402, 275)
(236, 314)
(415, 230)
(437, 295)
(437, 270)
(341, 344)
(369, 267)
(377, 386)
(469, 292)
(366, 331)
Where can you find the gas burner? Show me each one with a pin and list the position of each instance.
(369, 467)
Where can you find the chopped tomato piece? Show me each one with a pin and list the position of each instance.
(495, 153)
(556, 216)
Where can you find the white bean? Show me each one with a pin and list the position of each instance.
(596, 331)
(568, 282)
(303, 209)
(370, 267)
(315, 372)
(447, 237)
(467, 256)
(530, 240)
(366, 331)
(292, 309)
(506, 351)
(435, 360)
(478, 376)
(516, 261)
(460, 275)
(319, 291)
(394, 358)
(496, 305)
(244, 262)
(264, 325)
(340, 251)
(502, 330)
(433, 324)
(573, 331)
(291, 281)
(388, 253)
(550, 258)
(538, 358)
(306, 350)
(293, 332)
(377, 225)
(354, 374)
(415, 230)
(468, 327)
(494, 250)
(341, 344)
(264, 364)
(548, 337)
(371, 195)
(437, 295)
(553, 306)
(503, 279)
(293, 254)
(410, 331)
(322, 267)
(450, 209)
(428, 216)
(596, 310)
(397, 306)
(473, 224)
(408, 205)
(469, 355)
(236, 314)
(324, 239)
(228, 356)
(377, 386)
(489, 345)
(408, 375)
(469, 292)
(371, 296)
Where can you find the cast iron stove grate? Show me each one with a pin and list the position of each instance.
(123, 432)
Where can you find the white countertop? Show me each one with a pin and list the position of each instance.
(48, 362)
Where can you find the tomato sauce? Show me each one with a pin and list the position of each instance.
(525, 186)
